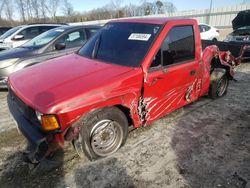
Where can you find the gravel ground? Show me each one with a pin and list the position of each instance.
(205, 144)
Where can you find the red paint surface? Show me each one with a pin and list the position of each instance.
(72, 86)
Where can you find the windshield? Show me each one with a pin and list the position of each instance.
(121, 43)
(44, 38)
(10, 32)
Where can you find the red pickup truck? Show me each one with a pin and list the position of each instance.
(132, 72)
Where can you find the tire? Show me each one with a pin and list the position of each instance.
(218, 87)
(214, 39)
(102, 133)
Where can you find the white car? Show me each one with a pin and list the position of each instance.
(19, 35)
(209, 32)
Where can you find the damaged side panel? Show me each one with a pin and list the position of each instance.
(212, 59)
(163, 93)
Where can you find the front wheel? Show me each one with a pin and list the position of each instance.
(218, 87)
(102, 133)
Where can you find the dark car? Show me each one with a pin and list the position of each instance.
(53, 43)
(241, 33)
(4, 29)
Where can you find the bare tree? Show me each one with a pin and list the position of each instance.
(21, 8)
(168, 7)
(34, 5)
(52, 7)
(130, 10)
(159, 5)
(67, 8)
(28, 8)
(116, 5)
(43, 8)
(2, 2)
(148, 8)
(48, 10)
(8, 9)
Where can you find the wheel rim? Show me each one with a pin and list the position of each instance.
(222, 86)
(106, 137)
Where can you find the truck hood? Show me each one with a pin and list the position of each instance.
(242, 19)
(46, 85)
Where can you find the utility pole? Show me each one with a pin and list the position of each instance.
(210, 10)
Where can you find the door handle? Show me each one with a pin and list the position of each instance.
(165, 71)
(158, 78)
(155, 80)
(192, 72)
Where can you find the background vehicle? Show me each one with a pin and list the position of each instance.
(19, 35)
(4, 29)
(241, 33)
(133, 71)
(208, 32)
(53, 43)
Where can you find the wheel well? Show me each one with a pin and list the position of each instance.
(126, 111)
(215, 63)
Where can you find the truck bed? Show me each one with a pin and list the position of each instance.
(234, 48)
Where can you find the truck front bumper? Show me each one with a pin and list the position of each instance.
(33, 133)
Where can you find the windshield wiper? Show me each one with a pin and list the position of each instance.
(96, 47)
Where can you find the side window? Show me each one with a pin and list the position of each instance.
(45, 28)
(91, 31)
(73, 39)
(206, 27)
(201, 28)
(30, 32)
(178, 46)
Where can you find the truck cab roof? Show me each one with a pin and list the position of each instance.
(151, 20)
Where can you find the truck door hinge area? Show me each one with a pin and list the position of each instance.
(142, 110)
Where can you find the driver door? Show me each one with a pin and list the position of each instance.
(171, 80)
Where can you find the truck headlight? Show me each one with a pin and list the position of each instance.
(39, 116)
(7, 62)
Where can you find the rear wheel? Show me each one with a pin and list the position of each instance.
(102, 133)
(218, 87)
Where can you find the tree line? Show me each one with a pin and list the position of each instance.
(16, 12)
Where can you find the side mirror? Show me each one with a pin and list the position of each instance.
(60, 46)
(18, 37)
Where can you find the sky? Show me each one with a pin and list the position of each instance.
(86, 5)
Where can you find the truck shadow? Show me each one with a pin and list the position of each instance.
(212, 143)
(15, 172)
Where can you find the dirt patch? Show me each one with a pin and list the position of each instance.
(205, 144)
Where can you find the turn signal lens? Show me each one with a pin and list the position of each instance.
(50, 123)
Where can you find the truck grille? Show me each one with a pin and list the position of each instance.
(27, 111)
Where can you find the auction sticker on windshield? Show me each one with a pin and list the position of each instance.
(139, 36)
